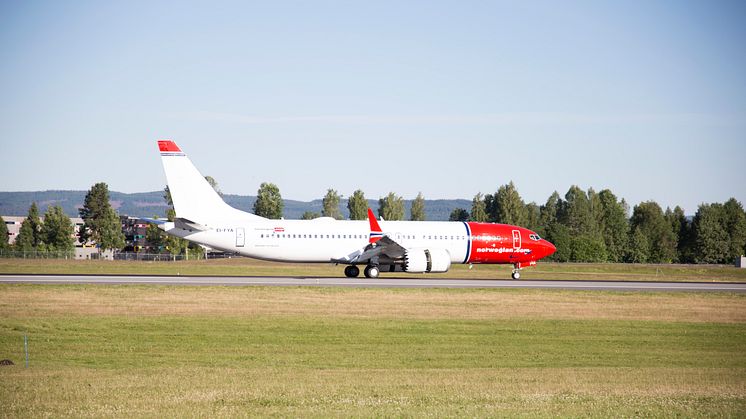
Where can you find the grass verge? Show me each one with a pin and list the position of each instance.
(193, 351)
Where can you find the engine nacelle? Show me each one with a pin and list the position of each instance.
(426, 260)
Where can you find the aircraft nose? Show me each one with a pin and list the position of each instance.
(550, 248)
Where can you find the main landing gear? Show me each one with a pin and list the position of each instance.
(371, 271)
(352, 271)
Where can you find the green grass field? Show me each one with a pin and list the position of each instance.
(251, 267)
(153, 351)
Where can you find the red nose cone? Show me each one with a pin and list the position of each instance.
(550, 248)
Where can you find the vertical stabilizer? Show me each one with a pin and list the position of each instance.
(193, 197)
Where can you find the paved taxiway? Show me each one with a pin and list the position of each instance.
(383, 282)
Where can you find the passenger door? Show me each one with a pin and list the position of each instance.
(516, 239)
(240, 237)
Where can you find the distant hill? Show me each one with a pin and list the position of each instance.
(151, 204)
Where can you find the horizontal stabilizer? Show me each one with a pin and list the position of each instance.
(185, 224)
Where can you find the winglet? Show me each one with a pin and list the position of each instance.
(375, 230)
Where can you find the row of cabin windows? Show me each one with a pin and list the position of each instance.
(312, 236)
(350, 236)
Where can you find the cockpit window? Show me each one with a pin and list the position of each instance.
(534, 237)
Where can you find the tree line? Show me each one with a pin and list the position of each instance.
(585, 226)
(269, 204)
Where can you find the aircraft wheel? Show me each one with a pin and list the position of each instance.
(516, 275)
(352, 271)
(372, 272)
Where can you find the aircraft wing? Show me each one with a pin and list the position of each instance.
(385, 246)
(379, 245)
(181, 223)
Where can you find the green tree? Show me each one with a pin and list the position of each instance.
(711, 241)
(734, 219)
(391, 208)
(358, 206)
(614, 225)
(551, 228)
(677, 221)
(156, 238)
(25, 239)
(649, 220)
(478, 209)
(489, 206)
(560, 236)
(578, 214)
(417, 211)
(310, 215)
(100, 222)
(3, 235)
(214, 184)
(57, 230)
(533, 218)
(594, 200)
(174, 244)
(508, 206)
(638, 250)
(268, 202)
(685, 236)
(548, 212)
(459, 214)
(330, 205)
(587, 248)
(29, 236)
(167, 197)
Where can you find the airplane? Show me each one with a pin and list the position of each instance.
(204, 218)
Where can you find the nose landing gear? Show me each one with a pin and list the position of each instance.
(516, 272)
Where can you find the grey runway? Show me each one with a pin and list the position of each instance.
(374, 283)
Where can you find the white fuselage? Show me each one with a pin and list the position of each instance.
(325, 239)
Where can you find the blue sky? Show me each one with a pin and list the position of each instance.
(647, 98)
